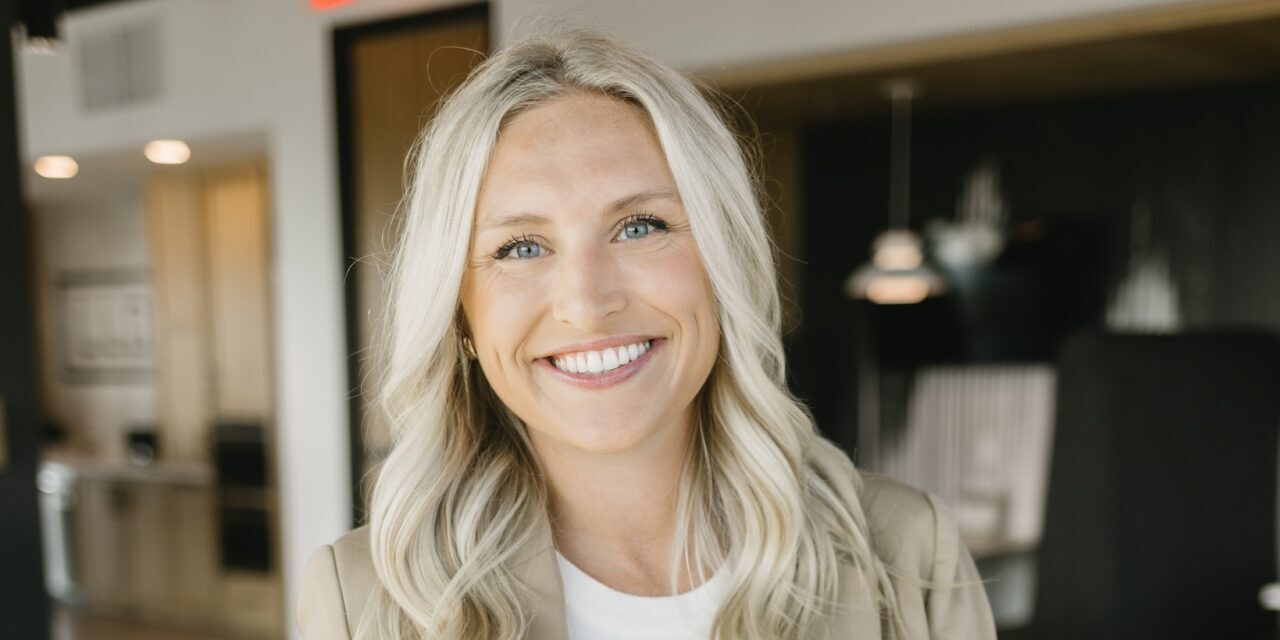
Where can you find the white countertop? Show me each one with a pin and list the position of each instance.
(85, 467)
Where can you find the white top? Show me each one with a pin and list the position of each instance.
(597, 612)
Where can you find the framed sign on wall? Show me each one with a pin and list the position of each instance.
(105, 325)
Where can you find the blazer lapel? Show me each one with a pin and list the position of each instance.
(542, 577)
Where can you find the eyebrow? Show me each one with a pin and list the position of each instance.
(623, 203)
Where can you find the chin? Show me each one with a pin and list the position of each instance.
(601, 437)
(608, 440)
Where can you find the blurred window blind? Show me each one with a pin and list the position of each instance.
(979, 438)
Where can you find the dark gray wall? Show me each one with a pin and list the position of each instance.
(1205, 161)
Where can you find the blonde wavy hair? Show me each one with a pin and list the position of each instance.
(763, 496)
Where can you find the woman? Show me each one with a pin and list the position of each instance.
(585, 382)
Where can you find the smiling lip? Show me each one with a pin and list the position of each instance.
(608, 378)
(596, 345)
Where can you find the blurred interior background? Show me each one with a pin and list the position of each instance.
(1030, 254)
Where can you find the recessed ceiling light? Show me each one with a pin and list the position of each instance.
(167, 151)
(57, 167)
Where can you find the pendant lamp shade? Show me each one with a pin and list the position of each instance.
(897, 272)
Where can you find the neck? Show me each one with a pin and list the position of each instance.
(613, 514)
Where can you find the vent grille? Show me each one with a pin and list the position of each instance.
(120, 67)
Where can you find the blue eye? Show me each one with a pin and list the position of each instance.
(522, 248)
(639, 226)
(636, 230)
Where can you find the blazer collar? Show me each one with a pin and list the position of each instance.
(542, 577)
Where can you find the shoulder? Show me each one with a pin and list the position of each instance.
(335, 587)
(916, 535)
(904, 522)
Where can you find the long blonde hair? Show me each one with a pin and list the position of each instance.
(763, 496)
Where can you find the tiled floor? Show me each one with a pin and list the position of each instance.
(70, 625)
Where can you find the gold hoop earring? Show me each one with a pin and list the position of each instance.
(468, 348)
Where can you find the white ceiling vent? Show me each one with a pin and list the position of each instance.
(121, 66)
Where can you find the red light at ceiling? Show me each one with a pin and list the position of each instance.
(324, 5)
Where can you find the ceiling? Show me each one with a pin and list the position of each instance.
(123, 174)
(1046, 62)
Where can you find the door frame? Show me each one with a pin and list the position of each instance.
(345, 39)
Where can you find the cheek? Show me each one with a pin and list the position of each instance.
(678, 284)
(498, 309)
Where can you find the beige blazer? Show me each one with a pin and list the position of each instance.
(910, 530)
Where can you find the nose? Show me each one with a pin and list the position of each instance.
(588, 288)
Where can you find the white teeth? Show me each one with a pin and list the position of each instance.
(607, 359)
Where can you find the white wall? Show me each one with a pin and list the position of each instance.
(234, 66)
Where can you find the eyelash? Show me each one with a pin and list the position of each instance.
(514, 242)
(659, 225)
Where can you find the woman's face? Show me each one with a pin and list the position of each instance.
(585, 297)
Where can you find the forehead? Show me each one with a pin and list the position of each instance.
(578, 150)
